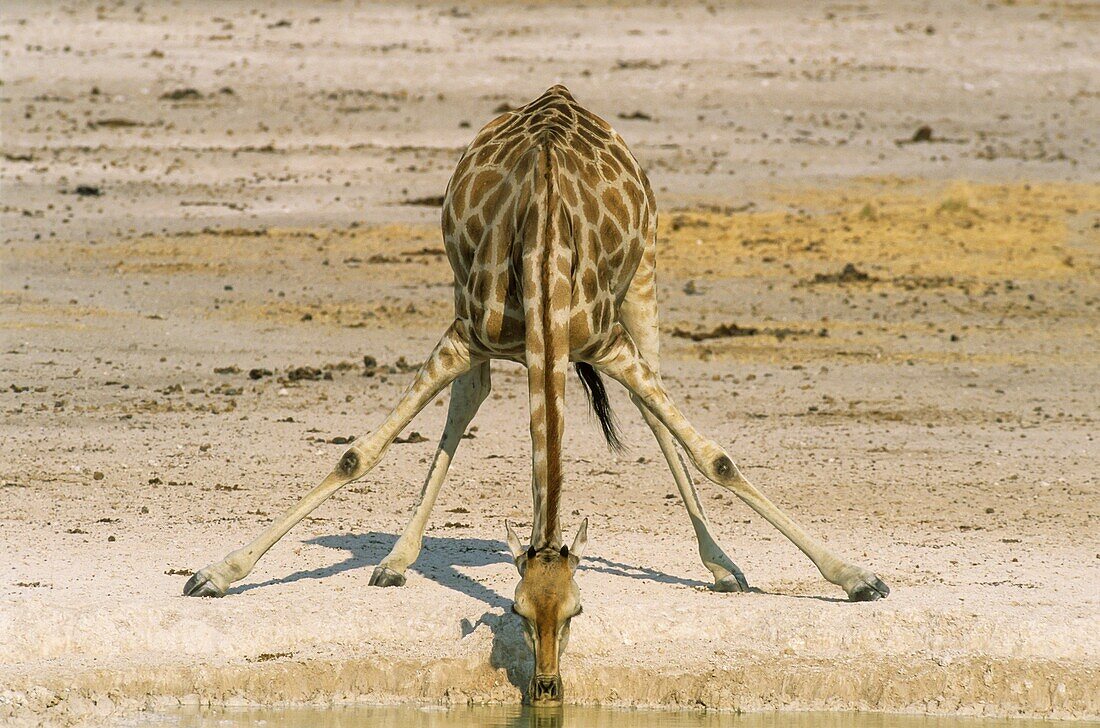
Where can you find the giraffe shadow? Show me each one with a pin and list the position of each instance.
(602, 565)
(441, 561)
(615, 568)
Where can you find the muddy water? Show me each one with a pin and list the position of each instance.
(568, 717)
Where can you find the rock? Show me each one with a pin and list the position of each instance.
(721, 331)
(114, 123)
(182, 94)
(429, 201)
(311, 374)
(849, 274)
(922, 134)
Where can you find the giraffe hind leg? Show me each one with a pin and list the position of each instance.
(727, 576)
(638, 316)
(623, 362)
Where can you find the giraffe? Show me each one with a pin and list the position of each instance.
(550, 228)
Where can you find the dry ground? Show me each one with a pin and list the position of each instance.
(898, 341)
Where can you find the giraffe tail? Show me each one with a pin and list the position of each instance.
(600, 405)
(547, 281)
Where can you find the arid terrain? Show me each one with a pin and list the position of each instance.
(880, 287)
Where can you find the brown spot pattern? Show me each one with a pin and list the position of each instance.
(495, 210)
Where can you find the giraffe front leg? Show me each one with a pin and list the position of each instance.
(449, 359)
(467, 394)
(623, 363)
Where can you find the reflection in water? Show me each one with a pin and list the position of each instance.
(508, 716)
(540, 717)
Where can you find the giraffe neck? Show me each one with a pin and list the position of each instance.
(548, 289)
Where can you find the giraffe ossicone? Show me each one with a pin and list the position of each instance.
(550, 227)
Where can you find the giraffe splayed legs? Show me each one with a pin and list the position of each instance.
(623, 362)
(550, 227)
(449, 359)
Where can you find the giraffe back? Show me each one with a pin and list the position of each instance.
(492, 198)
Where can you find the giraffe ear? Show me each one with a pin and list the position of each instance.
(514, 545)
(576, 551)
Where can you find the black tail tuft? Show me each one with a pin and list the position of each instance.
(597, 400)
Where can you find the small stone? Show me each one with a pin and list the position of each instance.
(922, 134)
(182, 94)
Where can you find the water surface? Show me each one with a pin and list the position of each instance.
(567, 717)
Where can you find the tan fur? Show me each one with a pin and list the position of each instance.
(573, 225)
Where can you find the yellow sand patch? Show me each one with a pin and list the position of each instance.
(892, 228)
(425, 314)
(899, 343)
(1067, 10)
(404, 252)
(908, 232)
(868, 349)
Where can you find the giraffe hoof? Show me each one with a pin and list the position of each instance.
(731, 583)
(384, 576)
(870, 588)
(201, 584)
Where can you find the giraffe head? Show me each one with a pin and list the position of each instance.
(547, 598)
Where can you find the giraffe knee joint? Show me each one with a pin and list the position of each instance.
(349, 463)
(723, 466)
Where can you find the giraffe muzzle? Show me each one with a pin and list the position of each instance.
(546, 690)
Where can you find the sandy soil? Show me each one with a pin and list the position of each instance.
(253, 179)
